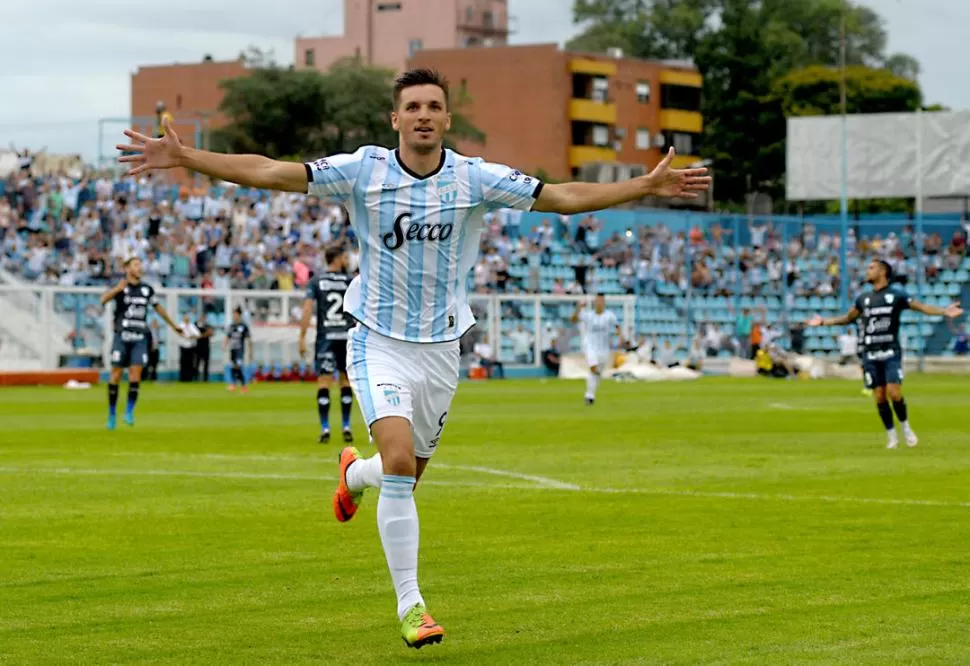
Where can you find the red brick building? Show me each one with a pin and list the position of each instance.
(544, 108)
(190, 92)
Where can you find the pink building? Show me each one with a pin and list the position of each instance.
(388, 32)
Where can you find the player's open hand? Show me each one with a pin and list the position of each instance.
(953, 310)
(666, 181)
(147, 153)
(817, 320)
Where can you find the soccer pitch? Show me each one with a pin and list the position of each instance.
(718, 521)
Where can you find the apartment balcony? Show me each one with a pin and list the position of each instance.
(592, 111)
(580, 155)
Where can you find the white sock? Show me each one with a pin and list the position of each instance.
(365, 473)
(592, 382)
(397, 522)
(892, 433)
(905, 425)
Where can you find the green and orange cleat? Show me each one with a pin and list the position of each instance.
(419, 629)
(345, 502)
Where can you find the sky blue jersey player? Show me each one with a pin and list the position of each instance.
(880, 310)
(418, 212)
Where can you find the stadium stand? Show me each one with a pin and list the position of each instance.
(695, 278)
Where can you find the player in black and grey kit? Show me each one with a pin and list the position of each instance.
(325, 294)
(880, 310)
(238, 341)
(132, 300)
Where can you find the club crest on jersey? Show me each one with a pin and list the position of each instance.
(889, 298)
(447, 188)
(392, 397)
(144, 292)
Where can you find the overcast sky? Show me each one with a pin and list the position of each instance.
(66, 63)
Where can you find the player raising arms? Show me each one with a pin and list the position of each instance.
(238, 341)
(598, 327)
(326, 293)
(132, 299)
(881, 310)
(418, 213)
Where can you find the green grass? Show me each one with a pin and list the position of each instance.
(718, 521)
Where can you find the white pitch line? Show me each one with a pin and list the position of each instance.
(505, 486)
(543, 481)
(219, 475)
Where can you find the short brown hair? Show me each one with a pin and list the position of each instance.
(421, 76)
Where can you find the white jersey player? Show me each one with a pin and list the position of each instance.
(599, 326)
(418, 212)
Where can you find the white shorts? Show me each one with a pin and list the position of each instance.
(413, 380)
(598, 357)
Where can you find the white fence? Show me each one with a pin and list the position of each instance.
(45, 327)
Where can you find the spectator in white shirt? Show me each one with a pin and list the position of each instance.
(848, 346)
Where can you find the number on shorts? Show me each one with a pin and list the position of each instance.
(868, 379)
(116, 355)
(441, 424)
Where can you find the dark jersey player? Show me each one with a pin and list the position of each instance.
(238, 342)
(130, 348)
(880, 310)
(325, 295)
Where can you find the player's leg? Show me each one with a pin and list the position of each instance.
(875, 378)
(323, 404)
(119, 361)
(324, 365)
(894, 390)
(134, 386)
(346, 393)
(381, 372)
(593, 378)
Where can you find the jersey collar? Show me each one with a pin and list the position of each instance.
(408, 171)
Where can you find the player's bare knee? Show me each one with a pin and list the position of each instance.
(393, 438)
(116, 375)
(879, 393)
(895, 392)
(420, 465)
(595, 369)
(324, 382)
(134, 373)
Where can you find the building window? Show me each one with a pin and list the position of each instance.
(469, 14)
(684, 98)
(683, 143)
(601, 89)
(462, 88)
(601, 135)
(414, 45)
(388, 6)
(489, 19)
(643, 92)
(178, 101)
(308, 58)
(643, 139)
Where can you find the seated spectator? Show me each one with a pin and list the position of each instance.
(488, 359)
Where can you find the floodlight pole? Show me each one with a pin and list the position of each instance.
(844, 200)
(919, 225)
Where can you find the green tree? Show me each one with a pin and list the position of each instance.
(815, 91)
(284, 112)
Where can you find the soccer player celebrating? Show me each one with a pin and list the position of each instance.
(238, 341)
(598, 326)
(418, 212)
(132, 299)
(326, 294)
(881, 309)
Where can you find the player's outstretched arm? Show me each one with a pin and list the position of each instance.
(577, 312)
(163, 313)
(248, 170)
(305, 324)
(842, 320)
(664, 181)
(114, 291)
(953, 310)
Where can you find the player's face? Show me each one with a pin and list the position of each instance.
(133, 270)
(421, 118)
(874, 271)
(599, 304)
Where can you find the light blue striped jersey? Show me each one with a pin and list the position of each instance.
(419, 237)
